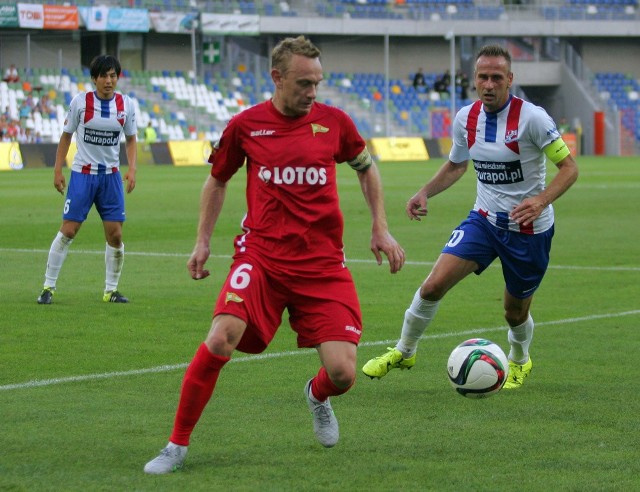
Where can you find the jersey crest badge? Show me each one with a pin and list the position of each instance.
(232, 297)
(511, 136)
(315, 128)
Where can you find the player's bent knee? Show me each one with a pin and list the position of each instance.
(223, 339)
(431, 291)
(342, 377)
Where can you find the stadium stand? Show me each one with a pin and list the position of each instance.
(623, 93)
(391, 9)
(180, 107)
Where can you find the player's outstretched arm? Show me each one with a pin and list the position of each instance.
(381, 238)
(446, 176)
(211, 201)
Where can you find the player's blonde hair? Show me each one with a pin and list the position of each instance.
(285, 49)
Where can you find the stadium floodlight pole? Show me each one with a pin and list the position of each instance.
(452, 71)
(59, 86)
(387, 124)
(29, 56)
(194, 61)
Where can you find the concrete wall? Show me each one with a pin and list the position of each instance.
(168, 52)
(366, 55)
(43, 48)
(341, 53)
(612, 55)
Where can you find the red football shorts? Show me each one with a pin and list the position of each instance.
(322, 307)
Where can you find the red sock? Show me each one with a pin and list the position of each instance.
(197, 388)
(322, 387)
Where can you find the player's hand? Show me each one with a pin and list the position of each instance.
(417, 206)
(59, 182)
(527, 211)
(196, 263)
(389, 246)
(130, 179)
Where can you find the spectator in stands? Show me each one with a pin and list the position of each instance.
(150, 136)
(13, 130)
(26, 135)
(11, 74)
(564, 126)
(462, 81)
(419, 80)
(29, 100)
(24, 111)
(442, 83)
(45, 107)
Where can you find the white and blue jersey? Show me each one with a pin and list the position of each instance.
(506, 149)
(98, 124)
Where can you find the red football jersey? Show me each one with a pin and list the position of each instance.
(293, 214)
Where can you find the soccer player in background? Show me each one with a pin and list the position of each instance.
(98, 118)
(290, 252)
(508, 140)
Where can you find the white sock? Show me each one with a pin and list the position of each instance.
(113, 260)
(57, 254)
(520, 338)
(416, 320)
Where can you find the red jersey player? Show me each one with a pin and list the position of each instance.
(290, 252)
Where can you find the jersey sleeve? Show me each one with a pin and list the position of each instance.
(130, 125)
(351, 142)
(459, 148)
(542, 128)
(72, 119)
(228, 155)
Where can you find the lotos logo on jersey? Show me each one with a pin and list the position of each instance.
(293, 175)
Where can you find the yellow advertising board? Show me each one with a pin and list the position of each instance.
(10, 156)
(399, 149)
(190, 152)
(73, 149)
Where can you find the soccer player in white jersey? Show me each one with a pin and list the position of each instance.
(508, 140)
(98, 118)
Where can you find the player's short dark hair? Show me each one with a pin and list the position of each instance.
(495, 50)
(285, 49)
(101, 64)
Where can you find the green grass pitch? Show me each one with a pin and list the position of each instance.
(88, 390)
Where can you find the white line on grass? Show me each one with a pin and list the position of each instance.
(277, 355)
(349, 260)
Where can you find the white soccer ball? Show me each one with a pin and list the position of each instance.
(477, 368)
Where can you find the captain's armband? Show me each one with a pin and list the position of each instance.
(556, 150)
(362, 161)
